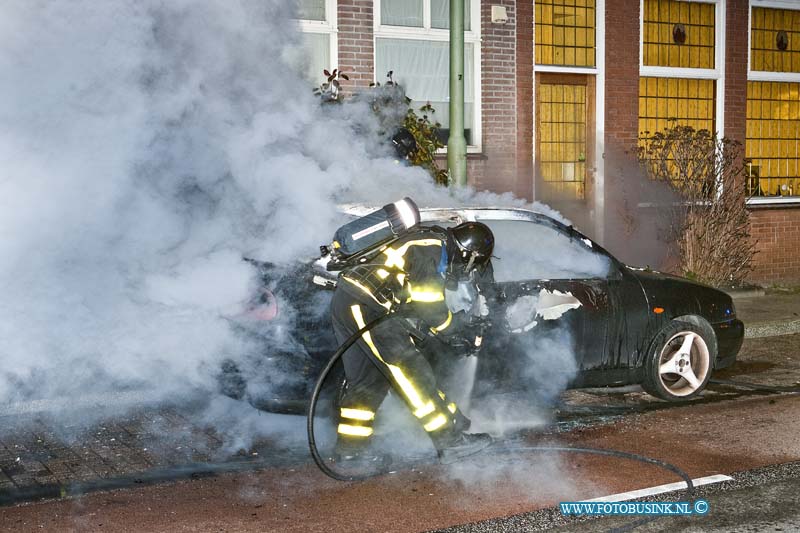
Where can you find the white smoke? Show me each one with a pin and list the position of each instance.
(528, 251)
(146, 147)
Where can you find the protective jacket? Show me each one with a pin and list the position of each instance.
(409, 275)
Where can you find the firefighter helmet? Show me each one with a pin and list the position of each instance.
(474, 242)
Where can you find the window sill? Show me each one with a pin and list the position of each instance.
(561, 69)
(776, 201)
(646, 71)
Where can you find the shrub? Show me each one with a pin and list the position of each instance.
(393, 111)
(709, 221)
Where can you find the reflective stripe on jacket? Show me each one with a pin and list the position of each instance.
(407, 272)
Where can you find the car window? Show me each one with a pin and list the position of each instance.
(531, 250)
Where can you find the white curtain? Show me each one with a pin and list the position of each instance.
(311, 9)
(423, 69)
(401, 12)
(440, 13)
(317, 48)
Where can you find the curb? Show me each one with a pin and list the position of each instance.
(755, 330)
(746, 293)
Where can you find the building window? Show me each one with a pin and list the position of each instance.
(772, 144)
(665, 102)
(695, 24)
(411, 13)
(412, 41)
(562, 140)
(311, 10)
(317, 22)
(773, 138)
(680, 65)
(565, 33)
(765, 53)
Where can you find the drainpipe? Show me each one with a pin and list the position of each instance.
(456, 143)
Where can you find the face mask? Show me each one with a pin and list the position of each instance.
(470, 263)
(455, 274)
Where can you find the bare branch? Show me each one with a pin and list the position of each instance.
(710, 226)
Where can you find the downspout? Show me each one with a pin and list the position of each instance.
(456, 143)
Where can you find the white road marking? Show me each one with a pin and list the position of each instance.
(660, 489)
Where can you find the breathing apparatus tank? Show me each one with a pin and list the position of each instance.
(356, 239)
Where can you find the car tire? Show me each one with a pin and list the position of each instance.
(679, 362)
(231, 381)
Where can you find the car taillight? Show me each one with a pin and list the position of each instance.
(264, 308)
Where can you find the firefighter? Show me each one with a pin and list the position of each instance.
(408, 278)
(404, 143)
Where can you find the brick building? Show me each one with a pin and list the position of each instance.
(558, 90)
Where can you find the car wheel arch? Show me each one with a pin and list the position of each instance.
(708, 332)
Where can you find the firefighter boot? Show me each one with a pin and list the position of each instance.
(457, 445)
(462, 423)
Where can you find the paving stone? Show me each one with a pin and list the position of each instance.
(5, 480)
(33, 453)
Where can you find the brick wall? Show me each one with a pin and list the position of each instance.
(621, 114)
(498, 101)
(622, 74)
(355, 41)
(525, 99)
(506, 149)
(777, 231)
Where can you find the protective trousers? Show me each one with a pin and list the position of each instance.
(402, 366)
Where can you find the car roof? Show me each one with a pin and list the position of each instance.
(461, 214)
(477, 213)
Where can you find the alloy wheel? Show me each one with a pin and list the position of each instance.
(684, 363)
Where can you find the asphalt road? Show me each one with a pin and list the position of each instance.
(752, 437)
(764, 499)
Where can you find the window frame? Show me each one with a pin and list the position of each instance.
(599, 60)
(426, 33)
(717, 73)
(767, 76)
(568, 232)
(329, 26)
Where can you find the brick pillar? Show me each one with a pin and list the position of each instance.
(499, 100)
(736, 69)
(355, 21)
(622, 74)
(525, 99)
(621, 121)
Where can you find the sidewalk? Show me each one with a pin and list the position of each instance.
(769, 315)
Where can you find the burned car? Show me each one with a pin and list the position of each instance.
(562, 308)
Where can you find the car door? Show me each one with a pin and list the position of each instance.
(554, 289)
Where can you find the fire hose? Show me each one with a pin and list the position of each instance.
(494, 450)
